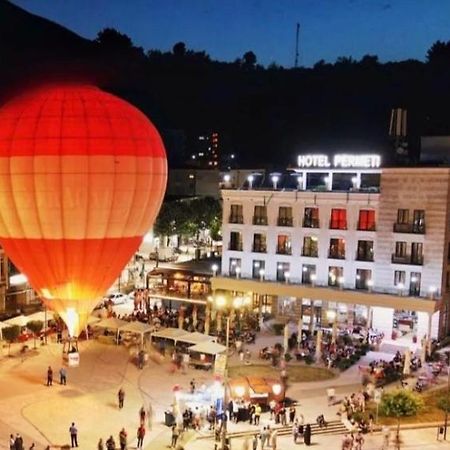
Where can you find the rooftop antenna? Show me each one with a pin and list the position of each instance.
(296, 45)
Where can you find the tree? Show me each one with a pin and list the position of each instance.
(112, 39)
(439, 53)
(10, 334)
(249, 59)
(179, 49)
(400, 403)
(35, 326)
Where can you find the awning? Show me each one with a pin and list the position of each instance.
(210, 348)
(136, 327)
(41, 316)
(111, 324)
(195, 338)
(21, 321)
(169, 333)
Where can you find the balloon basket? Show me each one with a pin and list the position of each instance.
(71, 355)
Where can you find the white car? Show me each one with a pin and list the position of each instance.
(117, 298)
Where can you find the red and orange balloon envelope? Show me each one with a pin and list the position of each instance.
(82, 178)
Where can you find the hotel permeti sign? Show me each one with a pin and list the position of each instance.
(339, 161)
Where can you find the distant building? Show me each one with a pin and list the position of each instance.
(205, 151)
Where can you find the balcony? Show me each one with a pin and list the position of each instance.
(259, 249)
(416, 260)
(364, 257)
(338, 226)
(236, 219)
(336, 255)
(285, 221)
(235, 247)
(284, 251)
(310, 223)
(409, 228)
(259, 220)
(364, 227)
(311, 253)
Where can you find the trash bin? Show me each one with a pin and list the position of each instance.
(169, 418)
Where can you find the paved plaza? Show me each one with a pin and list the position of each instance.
(43, 414)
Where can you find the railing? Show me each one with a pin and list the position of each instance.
(339, 226)
(409, 228)
(259, 220)
(284, 251)
(416, 260)
(285, 221)
(364, 257)
(235, 247)
(360, 228)
(236, 219)
(311, 254)
(336, 255)
(311, 223)
(259, 249)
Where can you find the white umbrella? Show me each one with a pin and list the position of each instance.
(299, 330)
(318, 345)
(407, 363)
(286, 337)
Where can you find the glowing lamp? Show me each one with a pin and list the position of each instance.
(276, 389)
(239, 391)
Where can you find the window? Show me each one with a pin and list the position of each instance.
(364, 251)
(284, 244)
(258, 268)
(363, 278)
(285, 216)
(337, 249)
(236, 215)
(399, 278)
(235, 241)
(234, 264)
(308, 273)
(414, 284)
(259, 243)
(283, 271)
(311, 218)
(310, 246)
(403, 216)
(416, 253)
(338, 219)
(335, 276)
(260, 215)
(400, 249)
(419, 221)
(366, 221)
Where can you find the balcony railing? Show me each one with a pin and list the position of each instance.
(259, 249)
(336, 255)
(284, 251)
(236, 219)
(416, 260)
(235, 247)
(365, 227)
(364, 257)
(310, 223)
(285, 221)
(311, 253)
(409, 228)
(338, 226)
(259, 220)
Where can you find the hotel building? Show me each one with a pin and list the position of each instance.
(342, 239)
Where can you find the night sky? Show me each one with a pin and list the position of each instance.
(226, 29)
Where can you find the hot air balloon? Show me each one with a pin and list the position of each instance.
(82, 177)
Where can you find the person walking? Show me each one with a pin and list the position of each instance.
(11, 442)
(140, 436)
(110, 443)
(257, 413)
(123, 439)
(18, 442)
(142, 415)
(175, 435)
(63, 376)
(121, 397)
(307, 435)
(73, 435)
(100, 445)
(359, 441)
(264, 437)
(49, 376)
(255, 442)
(32, 446)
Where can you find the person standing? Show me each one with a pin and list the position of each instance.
(73, 435)
(257, 413)
(255, 442)
(140, 436)
(264, 436)
(18, 442)
(274, 439)
(175, 435)
(11, 442)
(121, 397)
(307, 435)
(359, 441)
(63, 376)
(110, 444)
(142, 415)
(292, 413)
(32, 446)
(49, 376)
(123, 439)
(100, 445)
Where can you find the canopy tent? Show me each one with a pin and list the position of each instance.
(136, 328)
(169, 333)
(111, 324)
(208, 347)
(21, 321)
(195, 338)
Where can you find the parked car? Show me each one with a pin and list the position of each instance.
(117, 298)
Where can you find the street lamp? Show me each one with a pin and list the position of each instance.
(276, 389)
(215, 268)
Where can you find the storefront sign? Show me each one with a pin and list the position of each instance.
(339, 161)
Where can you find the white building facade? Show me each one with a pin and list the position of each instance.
(360, 246)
